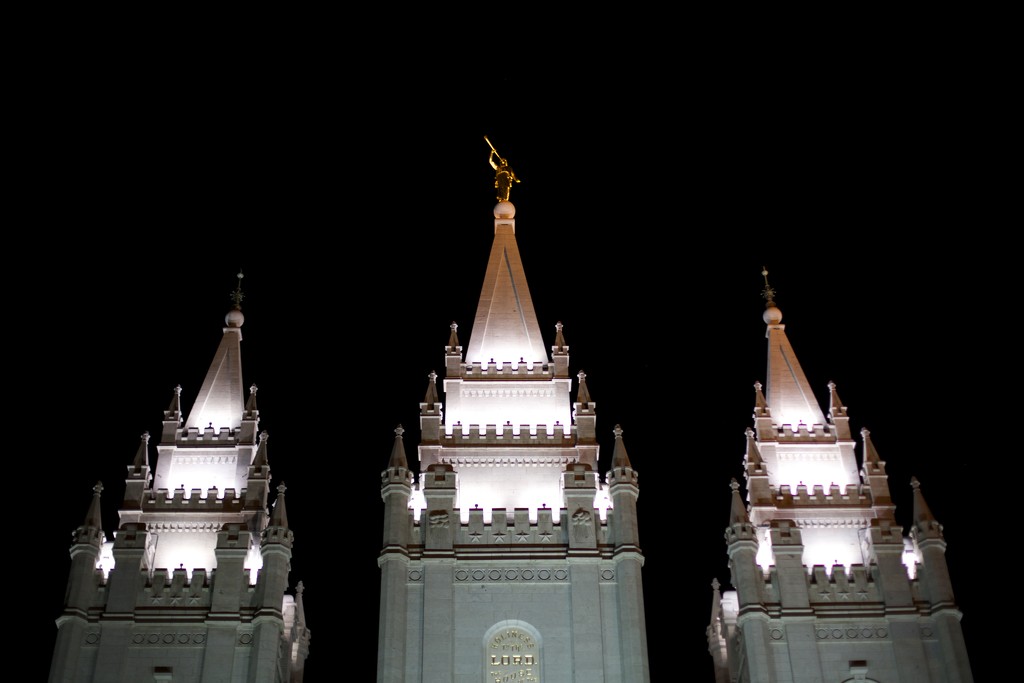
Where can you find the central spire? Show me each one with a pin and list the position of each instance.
(505, 329)
(220, 400)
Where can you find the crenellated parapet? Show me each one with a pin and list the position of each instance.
(556, 436)
(838, 592)
(189, 593)
(163, 500)
(513, 532)
(209, 436)
(800, 433)
(505, 370)
(833, 591)
(842, 592)
(817, 496)
(177, 589)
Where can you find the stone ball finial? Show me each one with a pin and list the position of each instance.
(234, 318)
(772, 315)
(504, 209)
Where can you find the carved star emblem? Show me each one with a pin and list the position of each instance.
(523, 536)
(843, 595)
(499, 536)
(545, 536)
(474, 536)
(825, 596)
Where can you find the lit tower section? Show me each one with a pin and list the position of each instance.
(507, 557)
(807, 460)
(826, 586)
(508, 406)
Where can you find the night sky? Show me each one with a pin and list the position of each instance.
(361, 218)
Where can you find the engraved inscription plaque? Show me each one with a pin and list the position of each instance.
(512, 657)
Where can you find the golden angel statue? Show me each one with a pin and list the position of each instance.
(503, 174)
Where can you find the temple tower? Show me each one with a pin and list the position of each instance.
(826, 586)
(509, 558)
(193, 587)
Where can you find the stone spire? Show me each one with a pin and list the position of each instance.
(398, 459)
(431, 397)
(583, 394)
(94, 517)
(141, 460)
(619, 456)
(220, 402)
(279, 517)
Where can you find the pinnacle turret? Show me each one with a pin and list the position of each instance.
(261, 459)
(619, 456)
(836, 407)
(300, 610)
(173, 411)
(583, 394)
(923, 517)
(142, 455)
(753, 455)
(398, 459)
(760, 404)
(279, 517)
(94, 517)
(871, 458)
(250, 404)
(431, 397)
(453, 338)
(715, 624)
(737, 510)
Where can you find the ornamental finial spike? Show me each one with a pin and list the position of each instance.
(503, 174)
(768, 293)
(237, 295)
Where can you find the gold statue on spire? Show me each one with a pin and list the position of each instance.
(503, 174)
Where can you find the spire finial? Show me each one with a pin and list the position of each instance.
(281, 488)
(237, 295)
(399, 430)
(768, 293)
(503, 174)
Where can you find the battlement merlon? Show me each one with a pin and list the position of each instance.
(523, 370)
(524, 435)
(512, 531)
(816, 496)
(192, 437)
(163, 500)
(799, 433)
